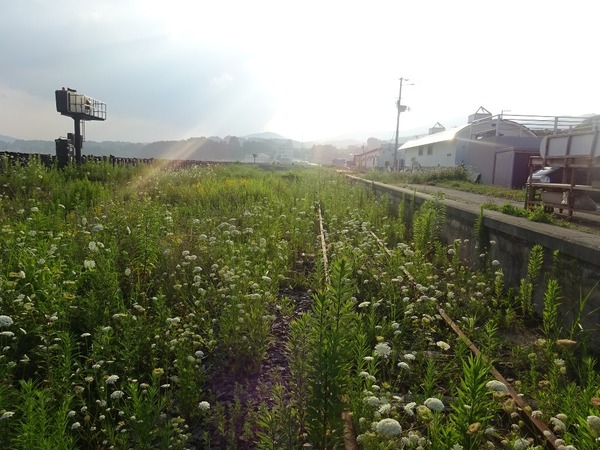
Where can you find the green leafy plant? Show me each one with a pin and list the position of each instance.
(475, 405)
(427, 224)
(44, 421)
(550, 322)
(332, 326)
(527, 285)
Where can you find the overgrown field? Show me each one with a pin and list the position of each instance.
(143, 307)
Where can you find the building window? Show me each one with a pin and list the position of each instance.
(421, 150)
(430, 149)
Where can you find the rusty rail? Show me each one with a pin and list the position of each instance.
(540, 428)
(323, 246)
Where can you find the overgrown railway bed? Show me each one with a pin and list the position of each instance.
(225, 307)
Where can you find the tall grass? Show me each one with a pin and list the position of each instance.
(139, 306)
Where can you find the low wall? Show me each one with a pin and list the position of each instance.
(579, 253)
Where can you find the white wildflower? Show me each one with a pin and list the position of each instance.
(7, 415)
(403, 365)
(521, 444)
(5, 321)
(75, 425)
(112, 379)
(383, 349)
(204, 406)
(593, 423)
(558, 424)
(372, 401)
(443, 345)
(409, 407)
(89, 264)
(435, 404)
(117, 395)
(388, 427)
(384, 409)
(496, 386)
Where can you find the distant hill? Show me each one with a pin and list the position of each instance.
(7, 139)
(264, 135)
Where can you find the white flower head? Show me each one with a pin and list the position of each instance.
(204, 406)
(559, 425)
(593, 423)
(496, 386)
(443, 345)
(384, 409)
(521, 444)
(372, 401)
(117, 395)
(383, 349)
(434, 404)
(5, 321)
(409, 407)
(7, 415)
(388, 427)
(112, 379)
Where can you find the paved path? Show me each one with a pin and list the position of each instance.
(588, 222)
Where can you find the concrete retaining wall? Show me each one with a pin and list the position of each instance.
(579, 253)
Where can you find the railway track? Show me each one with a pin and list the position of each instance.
(538, 430)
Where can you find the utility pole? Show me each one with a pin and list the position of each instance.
(399, 107)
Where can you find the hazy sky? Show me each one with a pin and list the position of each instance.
(304, 69)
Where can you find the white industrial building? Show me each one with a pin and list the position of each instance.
(494, 148)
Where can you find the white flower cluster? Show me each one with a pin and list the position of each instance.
(204, 406)
(434, 404)
(5, 321)
(383, 349)
(443, 345)
(496, 386)
(112, 379)
(388, 427)
(593, 423)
